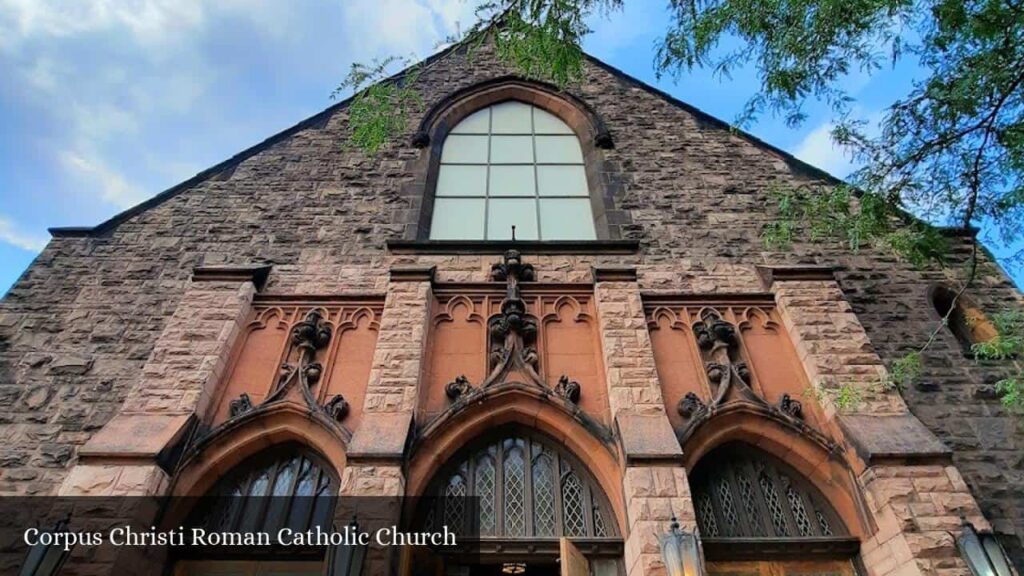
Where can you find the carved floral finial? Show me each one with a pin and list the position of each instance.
(312, 332)
(568, 389)
(791, 407)
(240, 405)
(691, 405)
(337, 407)
(458, 388)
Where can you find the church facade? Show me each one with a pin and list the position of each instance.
(556, 303)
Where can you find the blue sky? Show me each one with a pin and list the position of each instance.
(104, 103)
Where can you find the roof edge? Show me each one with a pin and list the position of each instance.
(113, 221)
(711, 119)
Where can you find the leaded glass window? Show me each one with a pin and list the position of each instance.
(512, 164)
(739, 493)
(522, 487)
(284, 488)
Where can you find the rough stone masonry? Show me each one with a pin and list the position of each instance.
(79, 326)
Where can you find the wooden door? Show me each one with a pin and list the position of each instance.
(247, 568)
(782, 568)
(574, 563)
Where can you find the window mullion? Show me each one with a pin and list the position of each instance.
(536, 180)
(487, 172)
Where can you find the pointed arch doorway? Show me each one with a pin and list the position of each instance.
(522, 505)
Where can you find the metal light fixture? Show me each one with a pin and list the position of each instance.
(347, 559)
(680, 551)
(46, 559)
(982, 552)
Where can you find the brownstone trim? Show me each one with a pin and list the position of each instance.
(433, 448)
(727, 549)
(413, 273)
(214, 455)
(256, 274)
(499, 288)
(516, 549)
(772, 274)
(368, 298)
(614, 273)
(819, 461)
(601, 247)
(654, 299)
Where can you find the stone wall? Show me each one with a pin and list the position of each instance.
(77, 328)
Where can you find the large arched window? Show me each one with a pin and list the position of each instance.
(522, 487)
(741, 494)
(758, 515)
(512, 164)
(285, 487)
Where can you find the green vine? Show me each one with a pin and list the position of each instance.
(382, 105)
(539, 39)
(1007, 344)
(839, 213)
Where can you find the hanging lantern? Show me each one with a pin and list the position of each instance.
(680, 551)
(347, 559)
(46, 559)
(982, 552)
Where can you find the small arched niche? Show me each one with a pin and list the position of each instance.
(964, 320)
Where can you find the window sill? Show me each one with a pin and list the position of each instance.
(499, 246)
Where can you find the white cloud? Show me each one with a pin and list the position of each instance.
(113, 186)
(397, 26)
(119, 90)
(148, 21)
(818, 149)
(9, 235)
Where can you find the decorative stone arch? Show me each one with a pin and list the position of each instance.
(531, 409)
(818, 460)
(448, 112)
(259, 430)
(590, 128)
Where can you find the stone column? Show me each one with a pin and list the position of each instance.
(654, 482)
(914, 494)
(176, 384)
(373, 472)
